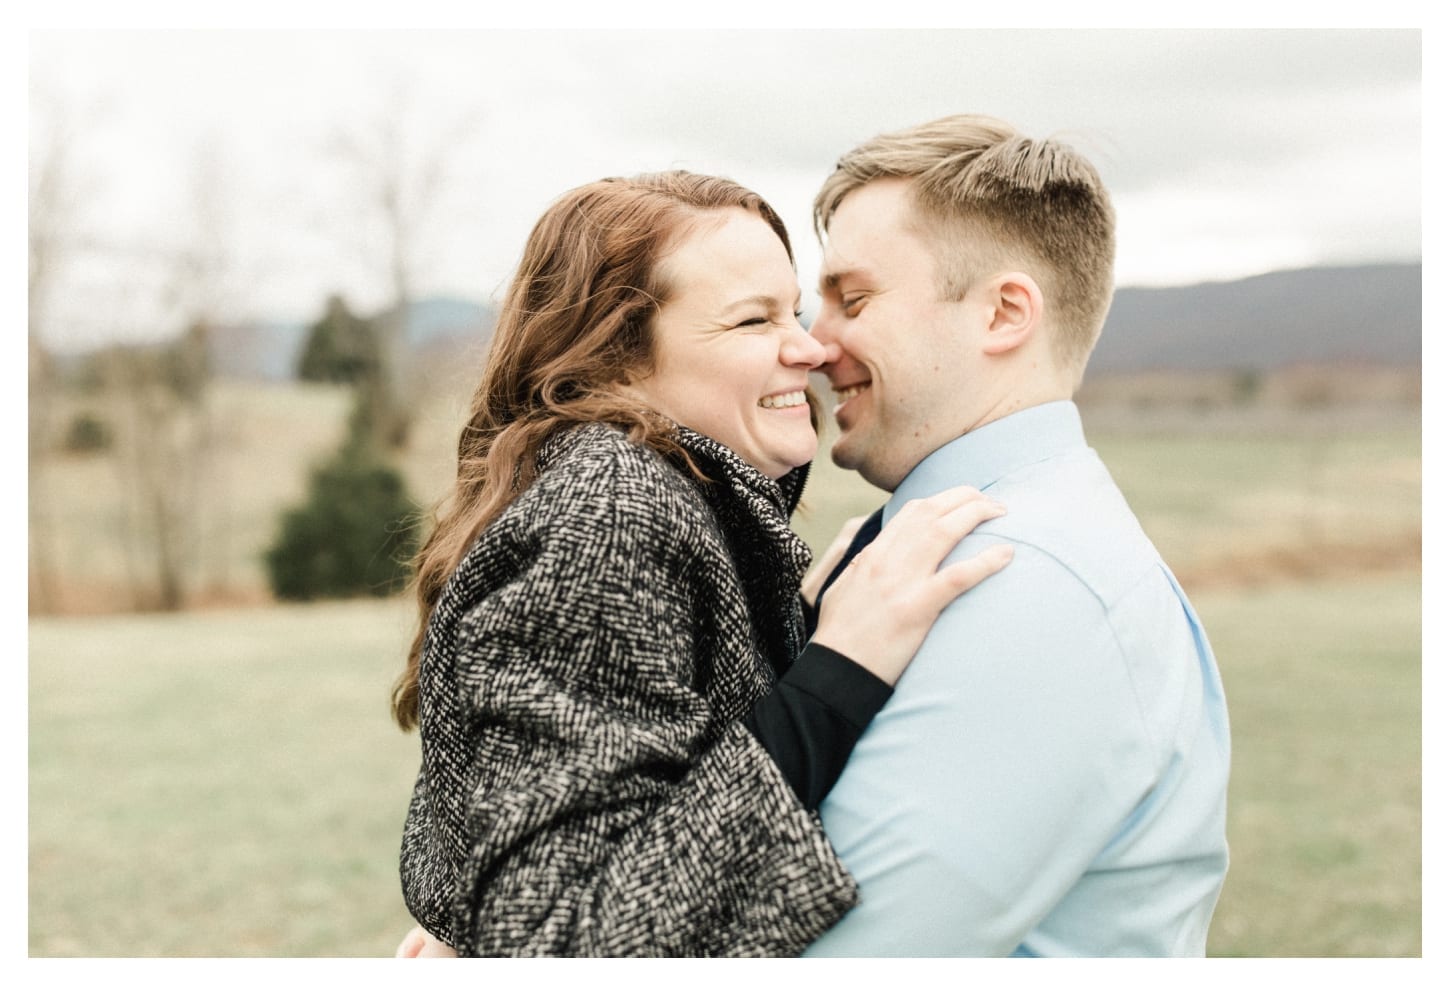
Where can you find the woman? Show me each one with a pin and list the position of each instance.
(611, 595)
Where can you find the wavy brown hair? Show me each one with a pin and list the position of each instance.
(576, 325)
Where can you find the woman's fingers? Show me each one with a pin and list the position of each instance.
(960, 576)
(419, 944)
(879, 611)
(925, 531)
(411, 944)
(827, 562)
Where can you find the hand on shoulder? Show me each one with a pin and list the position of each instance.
(880, 609)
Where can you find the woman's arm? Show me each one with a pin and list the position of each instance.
(607, 807)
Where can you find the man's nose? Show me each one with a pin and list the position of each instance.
(823, 330)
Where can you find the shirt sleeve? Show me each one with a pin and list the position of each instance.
(811, 720)
(610, 811)
(1012, 750)
(812, 614)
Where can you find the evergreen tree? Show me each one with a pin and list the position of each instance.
(355, 534)
(340, 347)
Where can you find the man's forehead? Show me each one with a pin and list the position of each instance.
(867, 226)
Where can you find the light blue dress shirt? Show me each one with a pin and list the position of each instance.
(1050, 776)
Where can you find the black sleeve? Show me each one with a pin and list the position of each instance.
(812, 611)
(810, 721)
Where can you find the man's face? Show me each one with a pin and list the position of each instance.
(897, 356)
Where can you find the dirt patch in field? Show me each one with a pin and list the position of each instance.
(1303, 563)
(74, 597)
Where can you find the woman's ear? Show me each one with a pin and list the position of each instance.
(1017, 312)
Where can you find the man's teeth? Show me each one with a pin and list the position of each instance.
(846, 393)
(784, 400)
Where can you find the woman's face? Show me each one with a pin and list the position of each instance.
(731, 358)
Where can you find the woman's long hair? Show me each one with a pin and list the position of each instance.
(576, 324)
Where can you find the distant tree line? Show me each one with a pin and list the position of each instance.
(146, 407)
(149, 407)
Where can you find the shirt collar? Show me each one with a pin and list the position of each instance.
(984, 455)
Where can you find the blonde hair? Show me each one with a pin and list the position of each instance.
(576, 324)
(986, 196)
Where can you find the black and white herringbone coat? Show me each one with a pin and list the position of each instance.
(587, 787)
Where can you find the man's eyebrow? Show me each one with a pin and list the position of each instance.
(833, 279)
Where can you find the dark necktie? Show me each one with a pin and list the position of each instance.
(864, 536)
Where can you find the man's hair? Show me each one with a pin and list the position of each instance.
(986, 197)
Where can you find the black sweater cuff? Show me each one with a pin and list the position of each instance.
(811, 720)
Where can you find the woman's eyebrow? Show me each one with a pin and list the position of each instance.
(765, 300)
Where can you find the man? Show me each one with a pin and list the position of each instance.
(1049, 777)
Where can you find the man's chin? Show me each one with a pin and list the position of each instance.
(879, 474)
(845, 454)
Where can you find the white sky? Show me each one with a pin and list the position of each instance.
(1229, 152)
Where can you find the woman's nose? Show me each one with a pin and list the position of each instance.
(802, 349)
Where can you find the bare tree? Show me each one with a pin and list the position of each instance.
(399, 177)
(159, 465)
(57, 189)
(169, 459)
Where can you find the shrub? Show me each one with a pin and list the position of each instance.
(87, 433)
(354, 535)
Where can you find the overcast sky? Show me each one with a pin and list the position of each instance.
(1229, 152)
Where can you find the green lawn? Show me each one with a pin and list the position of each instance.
(217, 784)
(228, 783)
(1324, 696)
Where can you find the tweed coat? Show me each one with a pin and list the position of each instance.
(587, 787)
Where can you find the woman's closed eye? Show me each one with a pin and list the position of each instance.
(762, 321)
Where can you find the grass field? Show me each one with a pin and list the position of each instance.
(225, 783)
(228, 783)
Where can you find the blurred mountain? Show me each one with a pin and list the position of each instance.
(1321, 315)
(437, 327)
(446, 320)
(257, 350)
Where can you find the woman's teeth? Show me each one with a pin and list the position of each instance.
(784, 400)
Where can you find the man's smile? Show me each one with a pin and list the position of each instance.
(844, 394)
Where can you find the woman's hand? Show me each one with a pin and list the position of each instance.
(419, 944)
(826, 563)
(880, 609)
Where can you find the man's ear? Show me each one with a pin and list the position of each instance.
(1017, 312)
